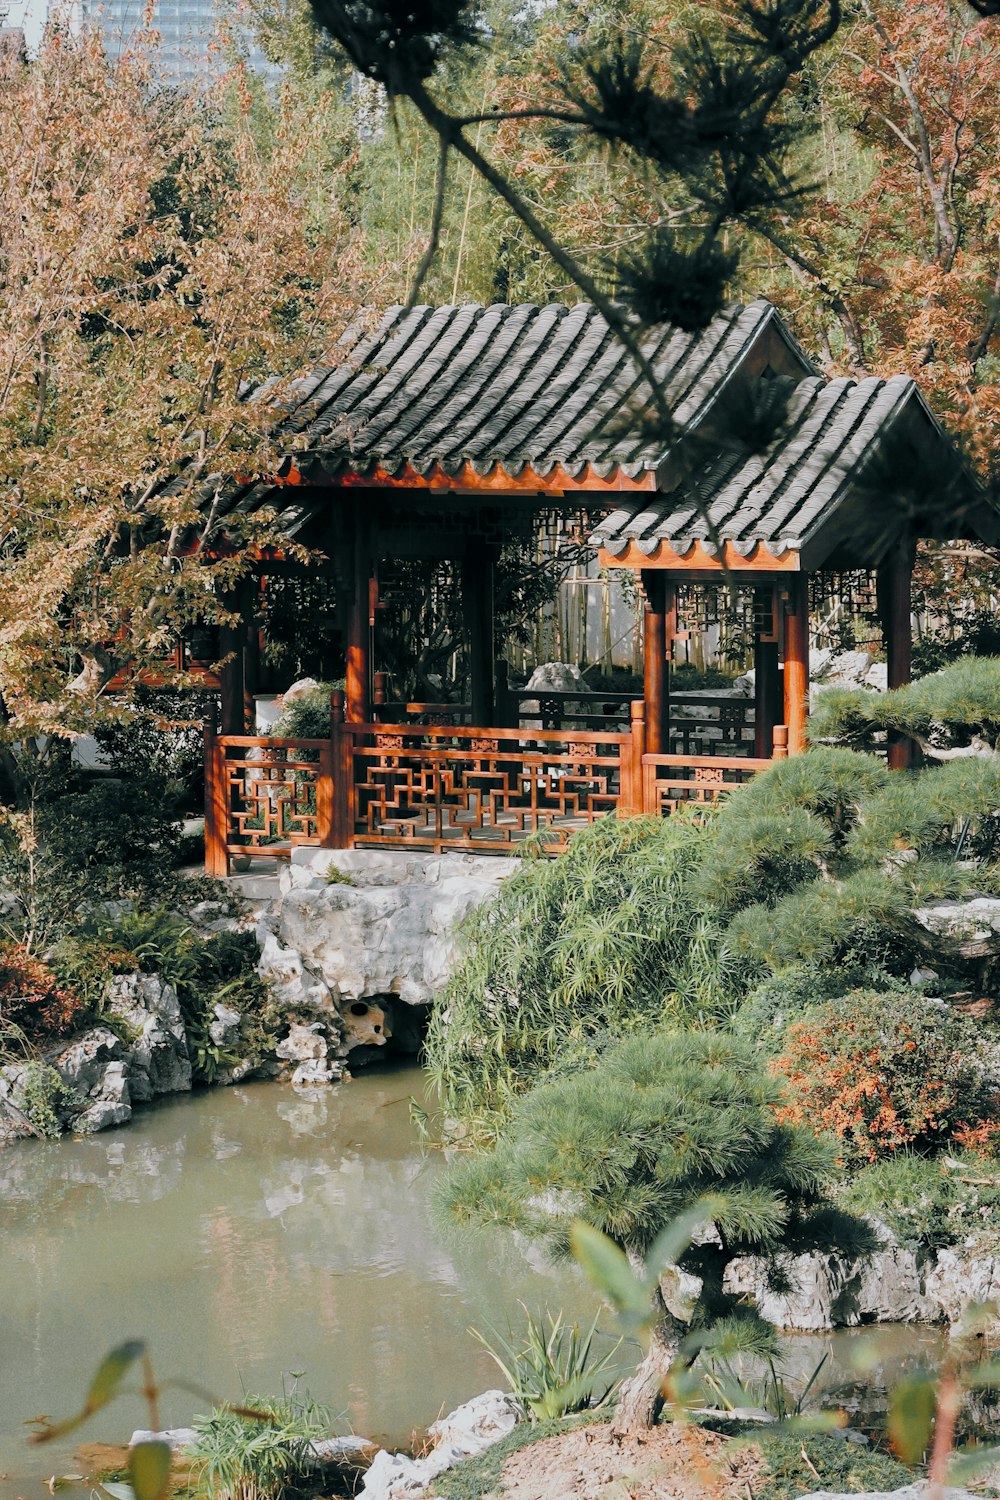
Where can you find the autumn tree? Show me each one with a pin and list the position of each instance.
(157, 264)
(895, 267)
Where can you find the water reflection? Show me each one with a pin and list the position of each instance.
(245, 1233)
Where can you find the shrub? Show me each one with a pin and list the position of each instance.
(827, 781)
(956, 704)
(82, 843)
(34, 1006)
(596, 942)
(931, 1201)
(795, 1464)
(667, 1122)
(924, 811)
(759, 857)
(260, 1458)
(552, 1371)
(782, 998)
(884, 1072)
(160, 741)
(308, 717)
(862, 920)
(42, 1095)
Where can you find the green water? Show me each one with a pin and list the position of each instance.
(246, 1233)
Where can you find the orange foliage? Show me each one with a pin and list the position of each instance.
(32, 1000)
(884, 1073)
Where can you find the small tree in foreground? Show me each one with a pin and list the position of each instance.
(663, 1123)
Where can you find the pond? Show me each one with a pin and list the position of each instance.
(246, 1233)
(250, 1232)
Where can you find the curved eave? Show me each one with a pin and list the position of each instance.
(468, 477)
(701, 557)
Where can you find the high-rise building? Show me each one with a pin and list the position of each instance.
(28, 16)
(188, 30)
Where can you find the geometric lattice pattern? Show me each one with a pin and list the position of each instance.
(436, 787)
(449, 788)
(672, 781)
(270, 790)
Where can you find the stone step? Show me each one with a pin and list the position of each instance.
(256, 886)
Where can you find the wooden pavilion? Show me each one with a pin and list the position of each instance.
(442, 433)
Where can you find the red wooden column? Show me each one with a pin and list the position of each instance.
(358, 694)
(216, 808)
(893, 587)
(654, 660)
(796, 661)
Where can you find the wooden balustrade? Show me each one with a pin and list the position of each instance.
(443, 786)
(265, 796)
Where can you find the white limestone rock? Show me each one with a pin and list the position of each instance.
(815, 1283)
(304, 1043)
(479, 1423)
(343, 1450)
(390, 932)
(470, 1429)
(908, 1492)
(965, 1277)
(556, 677)
(225, 1028)
(316, 1073)
(82, 1061)
(847, 669)
(158, 1060)
(831, 1291)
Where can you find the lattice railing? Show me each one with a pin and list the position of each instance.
(436, 787)
(450, 787)
(671, 781)
(267, 795)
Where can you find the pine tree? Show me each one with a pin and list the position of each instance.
(662, 1123)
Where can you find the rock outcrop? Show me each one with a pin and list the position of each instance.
(895, 1284)
(365, 952)
(470, 1429)
(158, 1059)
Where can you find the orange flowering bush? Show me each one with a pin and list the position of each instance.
(886, 1071)
(33, 1004)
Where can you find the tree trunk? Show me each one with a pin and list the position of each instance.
(642, 1396)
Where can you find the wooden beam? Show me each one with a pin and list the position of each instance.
(796, 633)
(556, 482)
(697, 560)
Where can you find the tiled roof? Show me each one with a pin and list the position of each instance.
(508, 387)
(791, 496)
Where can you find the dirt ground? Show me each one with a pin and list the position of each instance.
(672, 1462)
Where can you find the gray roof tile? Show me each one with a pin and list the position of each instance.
(507, 385)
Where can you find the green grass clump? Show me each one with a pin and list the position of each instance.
(257, 1458)
(928, 1201)
(603, 941)
(842, 1467)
